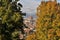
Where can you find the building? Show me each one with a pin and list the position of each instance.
(30, 23)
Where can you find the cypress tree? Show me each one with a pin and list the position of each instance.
(11, 20)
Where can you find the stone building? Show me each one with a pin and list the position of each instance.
(30, 23)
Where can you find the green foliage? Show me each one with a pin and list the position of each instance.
(11, 20)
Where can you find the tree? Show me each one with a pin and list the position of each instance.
(11, 20)
(48, 24)
(31, 36)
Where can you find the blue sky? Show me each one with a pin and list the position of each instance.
(30, 6)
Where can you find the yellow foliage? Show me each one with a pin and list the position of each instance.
(30, 37)
(48, 21)
(58, 32)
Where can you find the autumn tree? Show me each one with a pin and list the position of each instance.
(30, 36)
(11, 20)
(48, 24)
